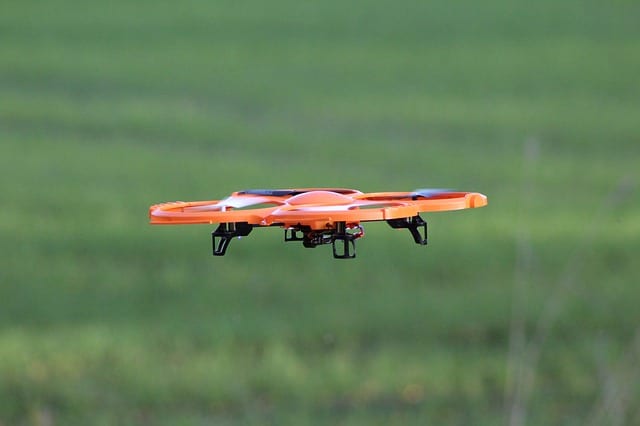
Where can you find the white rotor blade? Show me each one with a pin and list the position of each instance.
(233, 202)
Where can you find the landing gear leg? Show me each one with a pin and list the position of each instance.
(226, 232)
(344, 243)
(413, 224)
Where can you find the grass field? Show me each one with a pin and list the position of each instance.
(524, 312)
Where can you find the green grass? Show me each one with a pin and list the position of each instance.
(521, 312)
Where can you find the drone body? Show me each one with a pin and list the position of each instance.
(313, 216)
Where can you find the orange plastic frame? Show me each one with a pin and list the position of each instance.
(317, 208)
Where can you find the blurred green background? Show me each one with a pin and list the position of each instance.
(523, 312)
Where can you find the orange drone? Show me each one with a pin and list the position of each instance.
(314, 216)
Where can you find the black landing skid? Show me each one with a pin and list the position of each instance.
(413, 224)
(225, 232)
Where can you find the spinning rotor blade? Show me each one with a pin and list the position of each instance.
(429, 192)
(233, 202)
(270, 192)
(294, 192)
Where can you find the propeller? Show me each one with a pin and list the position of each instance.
(429, 192)
(233, 202)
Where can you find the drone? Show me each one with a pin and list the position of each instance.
(313, 216)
